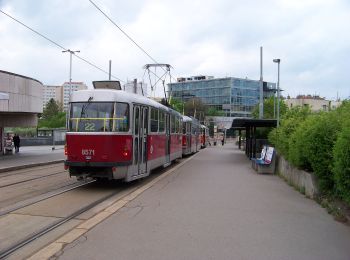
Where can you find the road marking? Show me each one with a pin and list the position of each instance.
(56, 246)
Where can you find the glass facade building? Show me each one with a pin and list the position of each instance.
(236, 97)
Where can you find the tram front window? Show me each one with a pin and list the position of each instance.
(99, 117)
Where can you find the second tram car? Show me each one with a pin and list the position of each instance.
(191, 135)
(118, 135)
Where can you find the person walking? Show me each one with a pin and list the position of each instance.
(16, 142)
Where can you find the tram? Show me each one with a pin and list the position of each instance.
(113, 134)
(191, 135)
(204, 137)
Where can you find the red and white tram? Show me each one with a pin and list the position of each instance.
(204, 136)
(118, 135)
(191, 135)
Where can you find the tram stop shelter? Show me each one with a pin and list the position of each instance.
(249, 125)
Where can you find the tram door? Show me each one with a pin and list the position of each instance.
(140, 138)
(167, 139)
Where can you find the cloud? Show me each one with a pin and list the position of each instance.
(219, 38)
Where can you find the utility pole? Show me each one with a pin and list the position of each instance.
(261, 102)
(70, 69)
(278, 61)
(110, 70)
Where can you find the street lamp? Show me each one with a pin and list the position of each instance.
(70, 68)
(278, 61)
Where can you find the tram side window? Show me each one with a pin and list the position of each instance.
(121, 118)
(184, 128)
(154, 120)
(180, 125)
(172, 124)
(161, 121)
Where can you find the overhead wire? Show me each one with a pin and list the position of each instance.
(57, 44)
(129, 37)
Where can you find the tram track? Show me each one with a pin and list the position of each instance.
(33, 223)
(42, 197)
(29, 169)
(32, 179)
(26, 240)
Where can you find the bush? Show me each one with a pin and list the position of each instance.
(289, 123)
(341, 169)
(298, 145)
(319, 138)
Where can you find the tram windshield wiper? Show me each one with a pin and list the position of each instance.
(84, 107)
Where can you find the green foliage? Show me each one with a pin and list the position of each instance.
(214, 112)
(289, 123)
(177, 104)
(319, 139)
(341, 169)
(298, 142)
(269, 104)
(51, 109)
(56, 121)
(23, 132)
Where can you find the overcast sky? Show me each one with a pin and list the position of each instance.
(218, 38)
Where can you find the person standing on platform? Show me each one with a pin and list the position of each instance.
(16, 142)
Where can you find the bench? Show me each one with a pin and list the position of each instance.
(255, 161)
(267, 163)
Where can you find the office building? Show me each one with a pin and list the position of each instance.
(235, 96)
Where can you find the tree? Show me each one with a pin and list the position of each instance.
(195, 107)
(269, 105)
(177, 105)
(211, 111)
(53, 116)
(51, 109)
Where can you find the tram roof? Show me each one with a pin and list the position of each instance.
(105, 95)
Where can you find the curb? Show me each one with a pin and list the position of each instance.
(31, 165)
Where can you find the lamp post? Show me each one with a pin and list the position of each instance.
(70, 68)
(278, 61)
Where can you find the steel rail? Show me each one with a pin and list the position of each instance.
(32, 179)
(6, 252)
(42, 197)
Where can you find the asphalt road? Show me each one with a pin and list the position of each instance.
(216, 207)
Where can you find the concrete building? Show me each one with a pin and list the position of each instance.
(236, 97)
(67, 88)
(141, 88)
(61, 93)
(316, 103)
(50, 92)
(20, 102)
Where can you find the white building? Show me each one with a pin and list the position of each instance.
(315, 103)
(67, 88)
(61, 93)
(141, 88)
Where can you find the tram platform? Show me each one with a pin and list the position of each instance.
(214, 206)
(29, 156)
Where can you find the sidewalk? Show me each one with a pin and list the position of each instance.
(31, 155)
(216, 207)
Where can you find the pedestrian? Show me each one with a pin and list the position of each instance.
(223, 141)
(16, 142)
